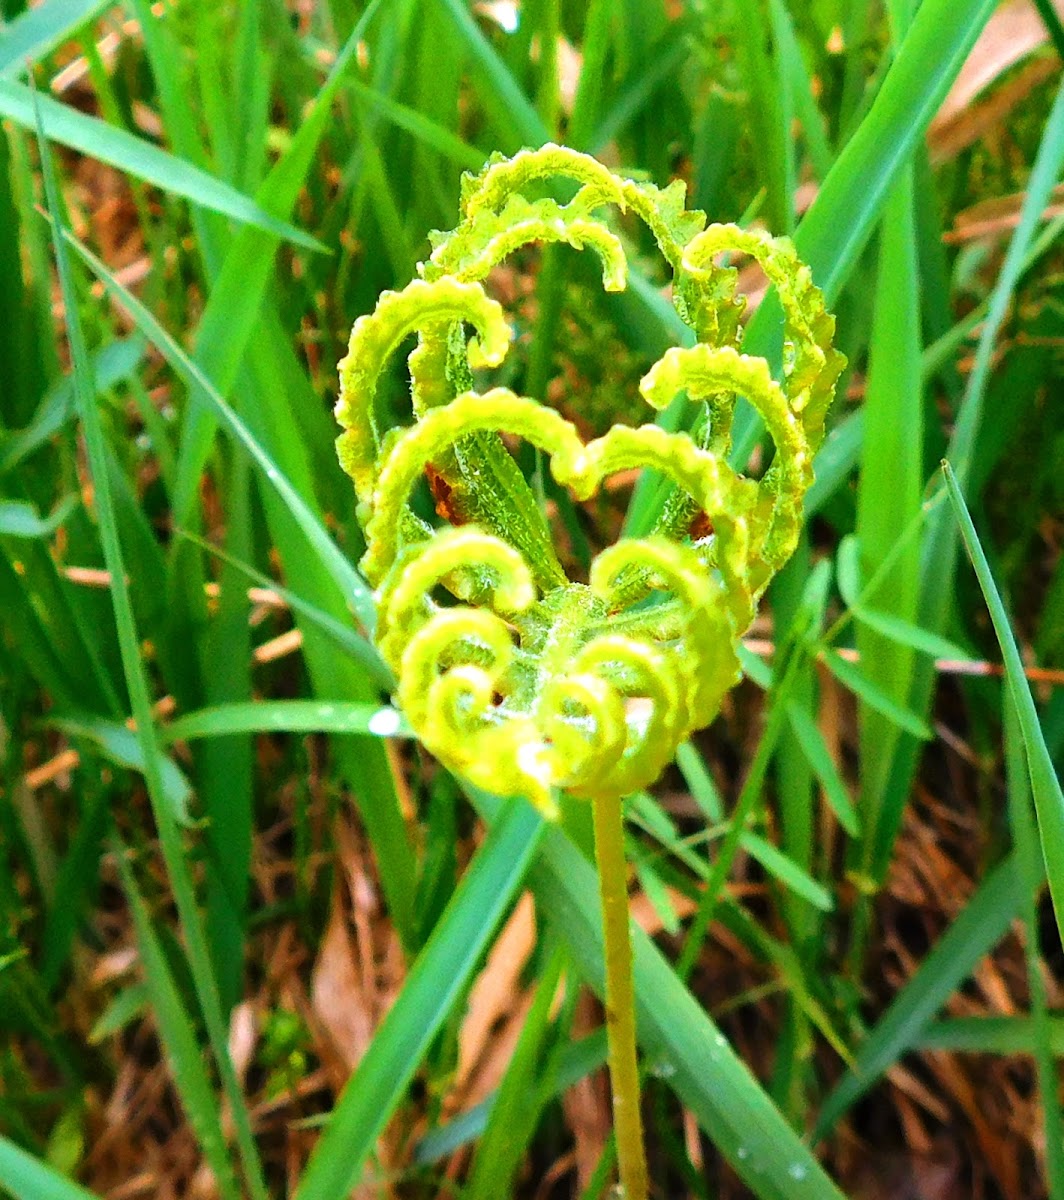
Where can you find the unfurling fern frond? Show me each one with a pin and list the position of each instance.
(532, 682)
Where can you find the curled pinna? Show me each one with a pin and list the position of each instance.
(512, 674)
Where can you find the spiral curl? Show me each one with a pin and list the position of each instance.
(531, 682)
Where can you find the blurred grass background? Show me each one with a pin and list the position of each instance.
(207, 912)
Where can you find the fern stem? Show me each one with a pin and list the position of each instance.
(620, 996)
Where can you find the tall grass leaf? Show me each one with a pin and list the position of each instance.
(289, 716)
(940, 541)
(700, 782)
(634, 94)
(25, 623)
(342, 635)
(449, 145)
(851, 199)
(121, 745)
(1045, 786)
(655, 890)
(576, 1061)
(270, 408)
(803, 91)
(522, 1095)
(982, 923)
(436, 979)
(241, 278)
(942, 353)
(137, 683)
(938, 551)
(111, 365)
(755, 668)
(1025, 839)
(905, 633)
(991, 1035)
(140, 158)
(889, 496)
(819, 757)
(75, 885)
(177, 1029)
(510, 108)
(835, 460)
(848, 570)
(769, 111)
(853, 195)
(226, 775)
(787, 872)
(20, 519)
(862, 687)
(346, 577)
(129, 1004)
(67, 617)
(40, 30)
(24, 1177)
(596, 38)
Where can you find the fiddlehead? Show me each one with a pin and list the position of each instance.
(522, 680)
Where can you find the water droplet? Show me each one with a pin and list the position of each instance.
(326, 710)
(797, 1172)
(720, 1040)
(742, 1153)
(385, 722)
(663, 1069)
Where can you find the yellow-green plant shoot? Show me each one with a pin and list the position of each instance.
(526, 681)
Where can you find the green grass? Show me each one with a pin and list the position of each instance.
(170, 427)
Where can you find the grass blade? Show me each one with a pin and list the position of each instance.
(27, 1178)
(784, 869)
(20, 519)
(908, 634)
(852, 197)
(1045, 786)
(111, 365)
(817, 754)
(940, 541)
(240, 282)
(137, 684)
(178, 1037)
(423, 128)
(991, 1035)
(509, 106)
(984, 921)
(347, 578)
(848, 675)
(38, 31)
(141, 159)
(889, 497)
(522, 1095)
(1025, 838)
(289, 716)
(342, 635)
(436, 980)
(120, 745)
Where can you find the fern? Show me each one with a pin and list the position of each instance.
(532, 682)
